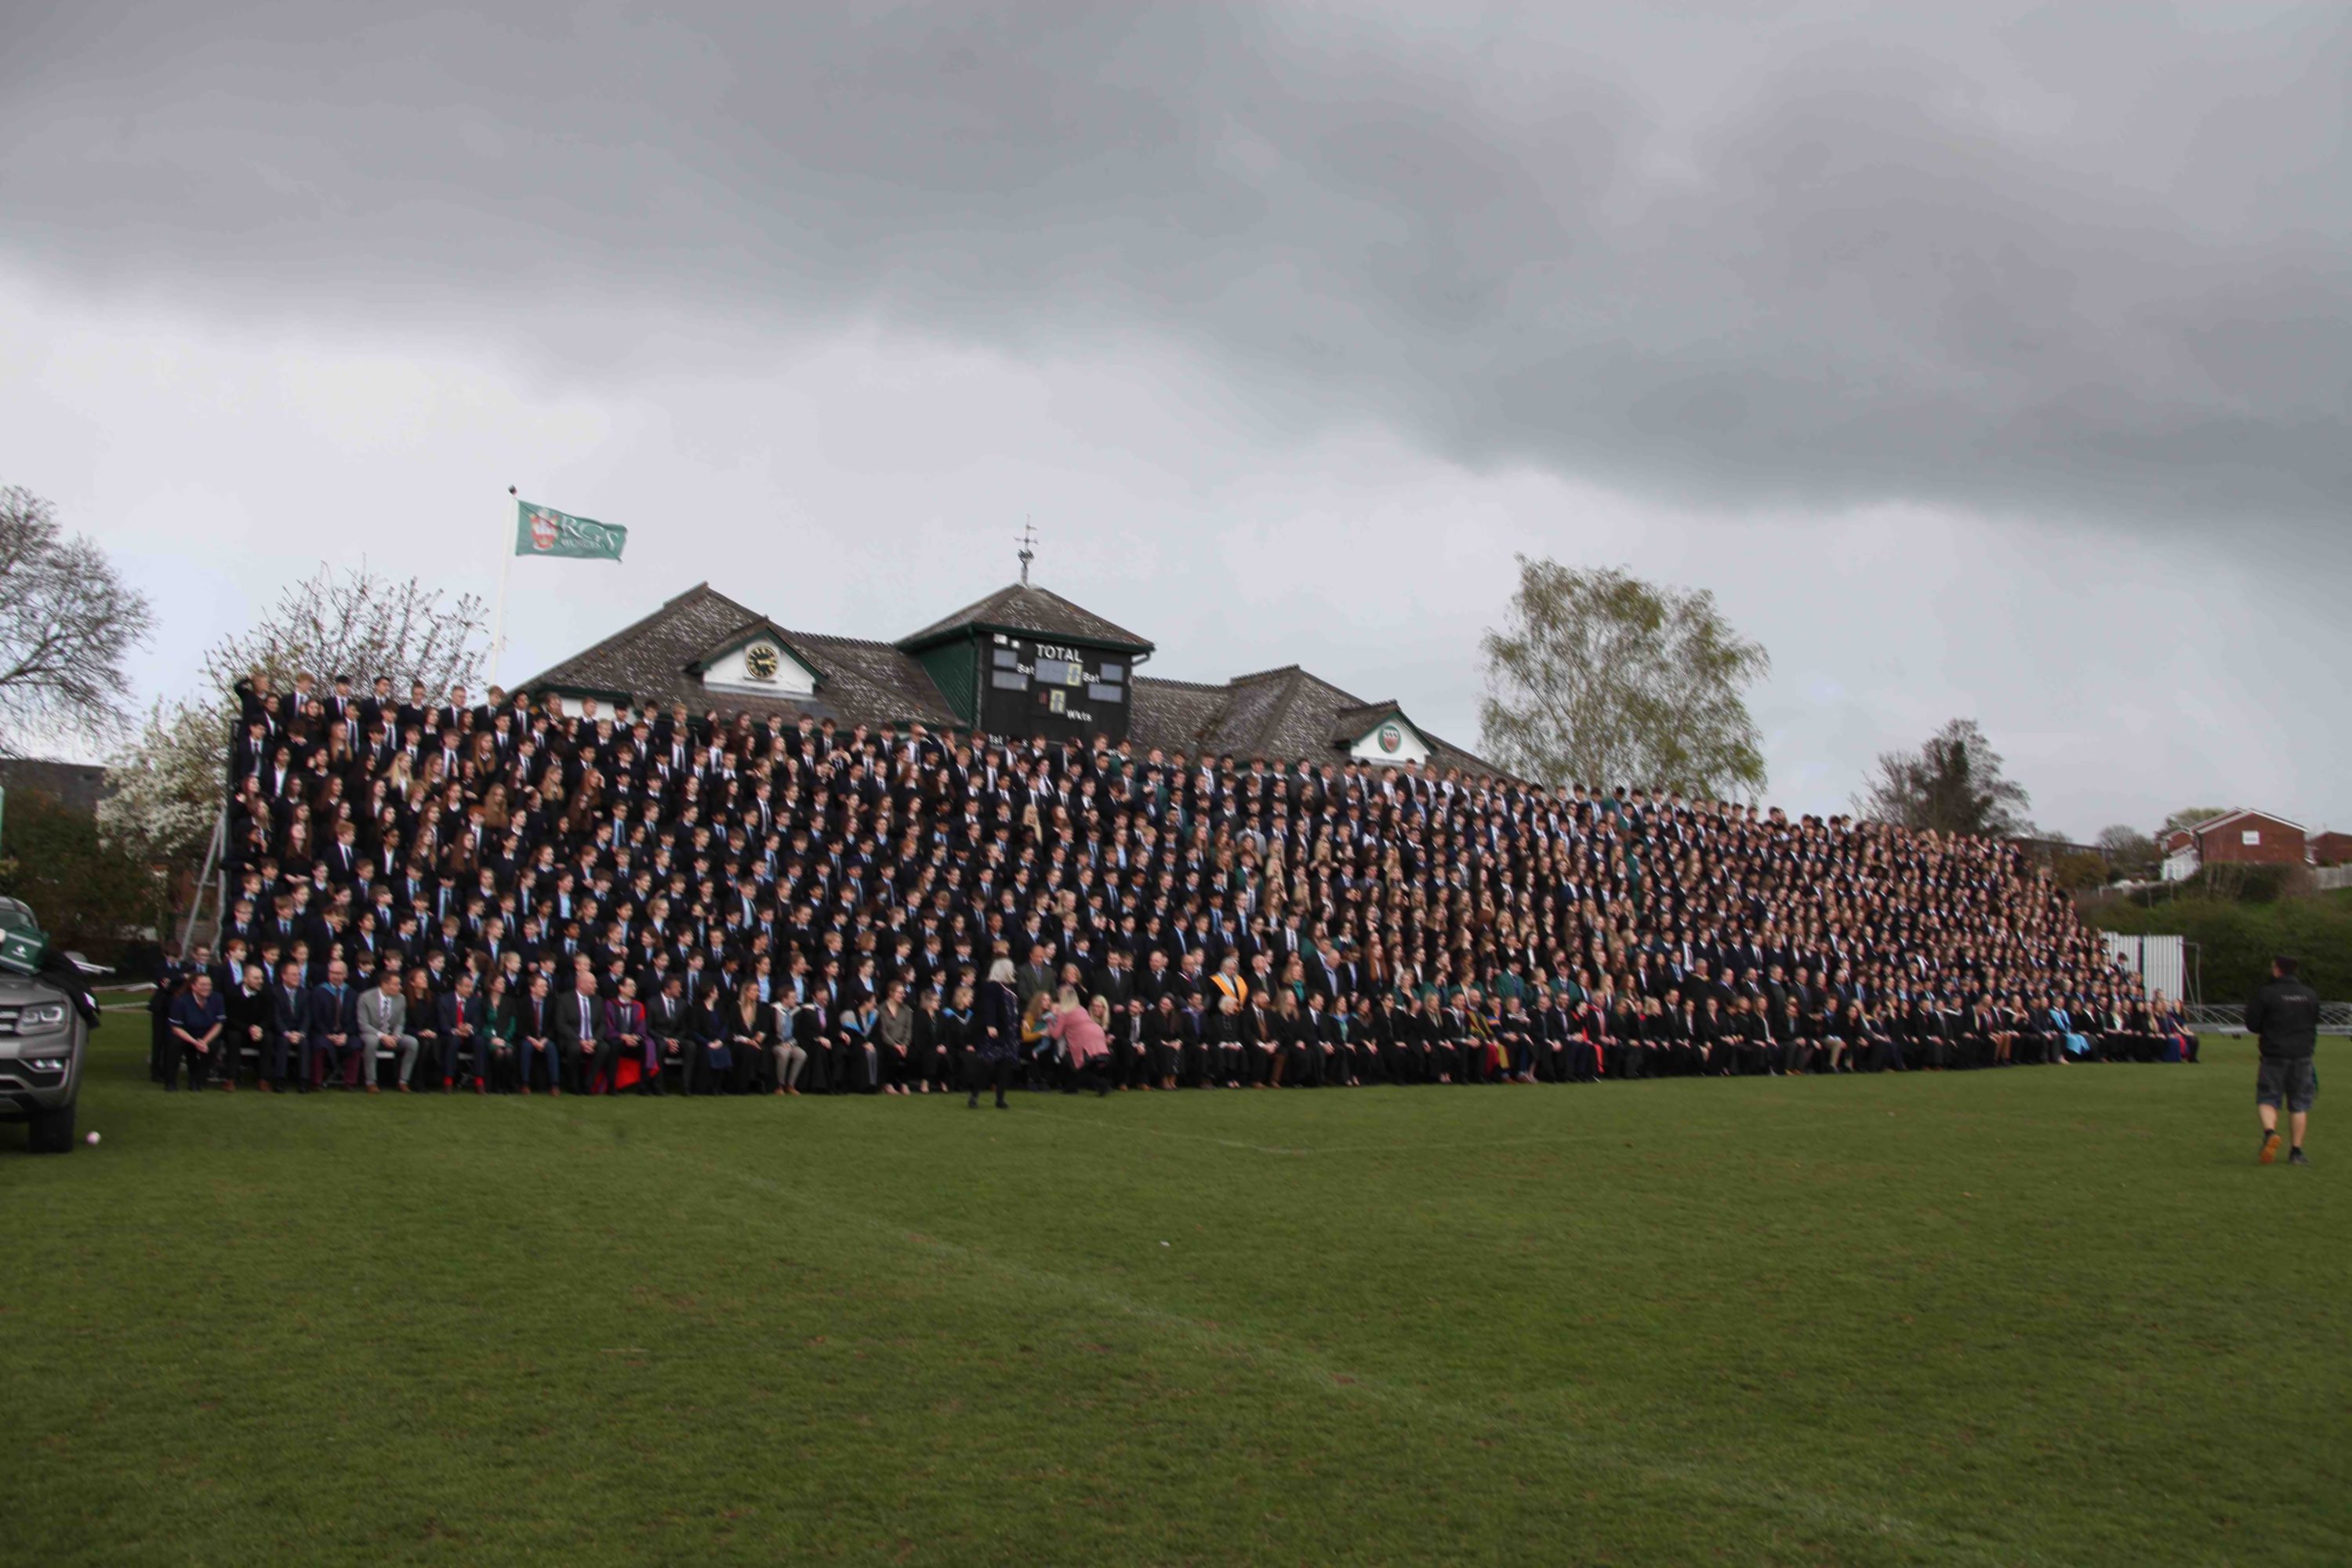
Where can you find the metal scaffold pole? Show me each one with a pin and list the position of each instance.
(213, 854)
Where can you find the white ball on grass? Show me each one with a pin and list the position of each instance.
(92, 1138)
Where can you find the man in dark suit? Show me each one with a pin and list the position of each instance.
(464, 1030)
(534, 1037)
(1181, 1028)
(334, 1024)
(666, 1021)
(1319, 1043)
(1556, 1036)
(289, 1026)
(376, 710)
(1115, 982)
(579, 1033)
(1133, 1049)
(1156, 979)
(248, 1016)
(1261, 1039)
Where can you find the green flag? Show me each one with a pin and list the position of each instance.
(543, 531)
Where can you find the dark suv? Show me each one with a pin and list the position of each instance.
(46, 1016)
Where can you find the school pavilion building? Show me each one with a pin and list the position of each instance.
(1022, 661)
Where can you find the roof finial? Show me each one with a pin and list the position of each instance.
(1028, 549)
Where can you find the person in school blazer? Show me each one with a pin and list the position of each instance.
(334, 1024)
(463, 1025)
(586, 1054)
(531, 1028)
(710, 1061)
(628, 1036)
(668, 1021)
(289, 1026)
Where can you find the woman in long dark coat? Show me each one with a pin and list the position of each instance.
(995, 1033)
(706, 1030)
(750, 1031)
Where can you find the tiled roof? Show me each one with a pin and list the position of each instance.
(1280, 714)
(870, 682)
(734, 638)
(1172, 714)
(1349, 725)
(1021, 607)
(649, 658)
(857, 681)
(2210, 822)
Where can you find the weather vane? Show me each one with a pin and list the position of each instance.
(1028, 549)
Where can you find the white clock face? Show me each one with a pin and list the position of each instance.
(759, 662)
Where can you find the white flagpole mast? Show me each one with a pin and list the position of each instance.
(499, 618)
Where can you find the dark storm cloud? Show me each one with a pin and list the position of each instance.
(2074, 262)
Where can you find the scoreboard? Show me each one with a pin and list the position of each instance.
(1060, 690)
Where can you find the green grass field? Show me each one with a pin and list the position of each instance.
(2051, 1316)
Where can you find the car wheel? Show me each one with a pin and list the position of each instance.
(53, 1131)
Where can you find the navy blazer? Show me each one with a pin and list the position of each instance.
(454, 1009)
(290, 1014)
(330, 1018)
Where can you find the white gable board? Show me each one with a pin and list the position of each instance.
(1390, 741)
(764, 667)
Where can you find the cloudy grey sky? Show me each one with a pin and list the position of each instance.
(1989, 360)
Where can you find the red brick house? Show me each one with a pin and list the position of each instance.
(2331, 848)
(2235, 838)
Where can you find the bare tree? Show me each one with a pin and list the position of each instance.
(1952, 784)
(1599, 677)
(358, 623)
(67, 622)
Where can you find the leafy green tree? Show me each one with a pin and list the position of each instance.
(2080, 871)
(87, 892)
(2128, 850)
(1598, 677)
(2248, 884)
(2236, 940)
(1952, 784)
(2188, 817)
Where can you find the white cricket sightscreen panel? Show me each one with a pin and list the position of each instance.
(2159, 961)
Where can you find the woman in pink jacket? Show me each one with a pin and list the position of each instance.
(1084, 1037)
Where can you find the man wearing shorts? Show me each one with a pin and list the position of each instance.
(2284, 1015)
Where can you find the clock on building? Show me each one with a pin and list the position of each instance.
(760, 661)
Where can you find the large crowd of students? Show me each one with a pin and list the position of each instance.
(500, 897)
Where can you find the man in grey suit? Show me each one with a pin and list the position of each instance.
(579, 1033)
(384, 1021)
(1036, 976)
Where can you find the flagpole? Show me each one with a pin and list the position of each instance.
(506, 566)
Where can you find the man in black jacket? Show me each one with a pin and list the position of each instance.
(1115, 983)
(249, 1012)
(289, 1028)
(2284, 1015)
